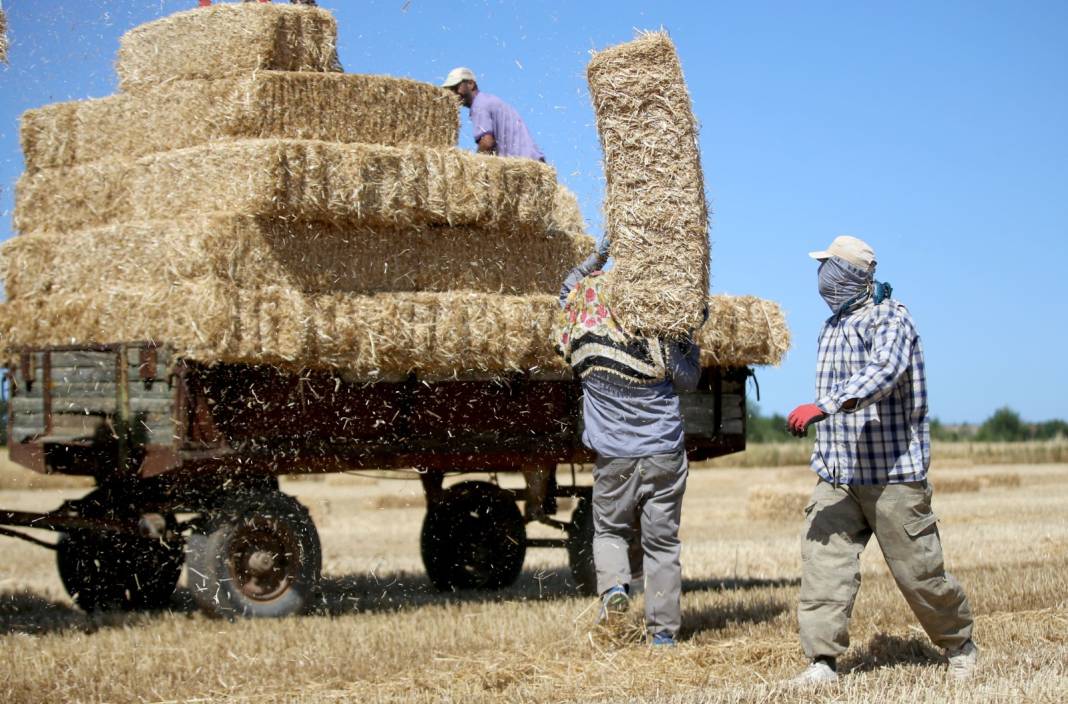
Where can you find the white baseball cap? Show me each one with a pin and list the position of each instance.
(457, 76)
(855, 251)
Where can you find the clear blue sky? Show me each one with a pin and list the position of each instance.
(937, 131)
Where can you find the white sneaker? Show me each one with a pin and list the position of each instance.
(819, 672)
(962, 661)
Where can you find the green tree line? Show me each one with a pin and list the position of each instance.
(1004, 425)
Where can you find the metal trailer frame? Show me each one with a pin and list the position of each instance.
(187, 456)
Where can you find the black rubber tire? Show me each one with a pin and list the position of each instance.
(105, 571)
(473, 538)
(580, 548)
(256, 557)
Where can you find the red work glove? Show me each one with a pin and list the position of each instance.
(803, 416)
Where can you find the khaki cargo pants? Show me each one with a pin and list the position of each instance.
(645, 494)
(839, 521)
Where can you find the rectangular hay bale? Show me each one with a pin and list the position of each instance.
(435, 335)
(300, 179)
(208, 318)
(655, 208)
(331, 107)
(742, 331)
(227, 39)
(312, 257)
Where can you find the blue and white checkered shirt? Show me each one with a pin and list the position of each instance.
(872, 354)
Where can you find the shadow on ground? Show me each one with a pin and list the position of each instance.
(890, 651)
(30, 613)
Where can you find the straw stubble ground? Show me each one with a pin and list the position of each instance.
(383, 635)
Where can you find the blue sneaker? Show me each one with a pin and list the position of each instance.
(664, 639)
(614, 603)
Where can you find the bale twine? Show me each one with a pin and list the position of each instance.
(655, 208)
(225, 40)
(313, 257)
(348, 184)
(331, 107)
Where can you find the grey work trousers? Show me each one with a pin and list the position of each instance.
(839, 522)
(644, 492)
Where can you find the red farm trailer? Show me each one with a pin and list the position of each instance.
(186, 459)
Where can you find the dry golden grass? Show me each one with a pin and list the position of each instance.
(775, 503)
(384, 635)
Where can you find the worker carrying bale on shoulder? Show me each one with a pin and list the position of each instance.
(497, 126)
(633, 421)
(871, 456)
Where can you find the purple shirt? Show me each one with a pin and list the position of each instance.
(491, 115)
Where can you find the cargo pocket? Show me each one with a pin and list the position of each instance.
(917, 527)
(925, 557)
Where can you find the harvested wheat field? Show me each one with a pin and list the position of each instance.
(383, 634)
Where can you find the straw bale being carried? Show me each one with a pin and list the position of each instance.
(312, 257)
(228, 39)
(372, 185)
(655, 208)
(332, 107)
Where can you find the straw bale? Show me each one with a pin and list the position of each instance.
(299, 179)
(435, 335)
(773, 503)
(567, 216)
(312, 257)
(3, 37)
(655, 208)
(332, 107)
(225, 40)
(741, 331)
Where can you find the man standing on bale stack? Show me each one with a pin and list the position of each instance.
(872, 453)
(498, 127)
(633, 422)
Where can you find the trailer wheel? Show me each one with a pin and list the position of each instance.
(258, 556)
(473, 538)
(105, 571)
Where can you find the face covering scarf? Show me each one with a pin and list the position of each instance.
(843, 285)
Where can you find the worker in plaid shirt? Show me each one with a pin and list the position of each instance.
(871, 455)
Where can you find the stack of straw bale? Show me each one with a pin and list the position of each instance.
(254, 205)
(655, 208)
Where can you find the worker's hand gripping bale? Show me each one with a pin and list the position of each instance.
(634, 423)
(872, 454)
